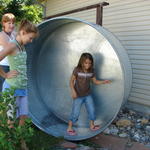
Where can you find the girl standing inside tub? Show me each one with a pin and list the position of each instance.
(17, 77)
(80, 80)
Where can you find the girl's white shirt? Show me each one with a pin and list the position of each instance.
(4, 62)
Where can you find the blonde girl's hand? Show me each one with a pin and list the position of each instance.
(106, 82)
(11, 74)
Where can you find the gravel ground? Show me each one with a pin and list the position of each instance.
(132, 125)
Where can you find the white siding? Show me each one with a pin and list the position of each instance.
(55, 7)
(60, 6)
(84, 16)
(129, 20)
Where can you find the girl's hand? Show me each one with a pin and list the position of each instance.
(74, 95)
(11, 74)
(106, 81)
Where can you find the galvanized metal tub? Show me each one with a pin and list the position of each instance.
(51, 60)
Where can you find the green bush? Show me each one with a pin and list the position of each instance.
(11, 137)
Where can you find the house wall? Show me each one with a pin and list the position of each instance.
(129, 20)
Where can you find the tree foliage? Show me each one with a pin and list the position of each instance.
(22, 9)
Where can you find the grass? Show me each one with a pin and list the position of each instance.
(43, 141)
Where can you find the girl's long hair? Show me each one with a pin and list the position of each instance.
(82, 59)
(28, 27)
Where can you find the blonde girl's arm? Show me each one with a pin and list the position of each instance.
(72, 81)
(5, 52)
(97, 82)
(3, 39)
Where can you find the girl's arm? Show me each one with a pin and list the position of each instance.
(7, 51)
(3, 39)
(97, 82)
(73, 92)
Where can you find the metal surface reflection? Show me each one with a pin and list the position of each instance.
(51, 59)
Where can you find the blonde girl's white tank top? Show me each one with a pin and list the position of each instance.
(4, 62)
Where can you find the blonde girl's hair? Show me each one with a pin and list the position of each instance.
(28, 27)
(8, 17)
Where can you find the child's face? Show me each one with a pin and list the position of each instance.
(27, 37)
(87, 64)
(8, 26)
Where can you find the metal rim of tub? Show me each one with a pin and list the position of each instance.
(51, 59)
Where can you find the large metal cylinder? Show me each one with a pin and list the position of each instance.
(51, 60)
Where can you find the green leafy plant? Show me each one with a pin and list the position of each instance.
(11, 134)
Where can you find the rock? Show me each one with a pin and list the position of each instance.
(138, 120)
(123, 123)
(129, 117)
(147, 128)
(138, 126)
(114, 131)
(136, 137)
(123, 135)
(131, 112)
(106, 131)
(129, 128)
(144, 121)
(145, 138)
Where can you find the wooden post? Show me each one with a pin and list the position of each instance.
(99, 15)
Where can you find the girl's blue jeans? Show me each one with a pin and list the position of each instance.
(77, 103)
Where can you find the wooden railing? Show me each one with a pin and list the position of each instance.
(99, 12)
